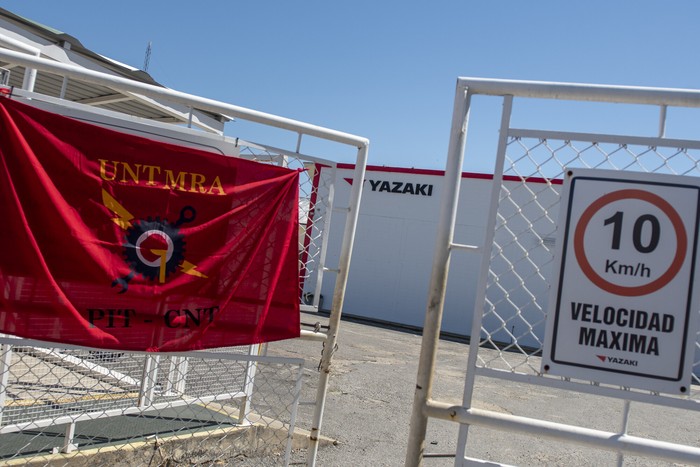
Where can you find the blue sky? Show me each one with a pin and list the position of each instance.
(386, 70)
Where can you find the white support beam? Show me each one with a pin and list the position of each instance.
(106, 99)
(583, 92)
(617, 442)
(202, 103)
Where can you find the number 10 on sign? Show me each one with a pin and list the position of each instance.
(622, 309)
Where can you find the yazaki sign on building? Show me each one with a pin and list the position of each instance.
(622, 308)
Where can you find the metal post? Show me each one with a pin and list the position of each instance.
(5, 362)
(324, 241)
(338, 298)
(293, 416)
(299, 142)
(64, 88)
(248, 384)
(177, 376)
(181, 374)
(623, 431)
(484, 268)
(662, 120)
(68, 436)
(29, 73)
(148, 380)
(438, 280)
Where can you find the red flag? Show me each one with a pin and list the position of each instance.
(116, 241)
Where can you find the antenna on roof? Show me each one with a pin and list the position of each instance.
(147, 59)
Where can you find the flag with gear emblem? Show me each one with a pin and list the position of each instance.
(121, 242)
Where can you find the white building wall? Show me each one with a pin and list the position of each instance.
(394, 245)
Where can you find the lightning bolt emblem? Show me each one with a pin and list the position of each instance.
(189, 268)
(125, 217)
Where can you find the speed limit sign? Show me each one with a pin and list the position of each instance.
(622, 309)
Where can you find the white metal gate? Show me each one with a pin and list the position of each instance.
(314, 211)
(512, 295)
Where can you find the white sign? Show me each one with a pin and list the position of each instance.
(622, 309)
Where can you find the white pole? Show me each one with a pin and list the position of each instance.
(29, 73)
(338, 298)
(623, 431)
(662, 120)
(438, 278)
(584, 92)
(572, 434)
(248, 385)
(64, 88)
(148, 380)
(201, 103)
(5, 362)
(480, 298)
(128, 85)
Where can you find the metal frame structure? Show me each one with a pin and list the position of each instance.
(424, 406)
(33, 64)
(144, 387)
(138, 395)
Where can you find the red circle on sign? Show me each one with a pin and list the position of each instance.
(653, 286)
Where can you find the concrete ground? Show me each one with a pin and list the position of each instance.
(371, 395)
(370, 399)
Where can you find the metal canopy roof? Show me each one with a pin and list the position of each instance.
(62, 47)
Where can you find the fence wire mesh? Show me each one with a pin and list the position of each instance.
(522, 255)
(87, 407)
(76, 406)
(315, 200)
(62, 405)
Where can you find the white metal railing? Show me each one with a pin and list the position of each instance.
(38, 408)
(116, 83)
(505, 296)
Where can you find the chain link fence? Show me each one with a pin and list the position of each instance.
(76, 406)
(522, 255)
(515, 285)
(315, 208)
(62, 405)
(72, 406)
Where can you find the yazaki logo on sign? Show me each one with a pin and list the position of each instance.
(621, 308)
(402, 188)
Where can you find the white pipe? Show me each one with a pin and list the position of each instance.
(623, 430)
(617, 442)
(201, 103)
(337, 306)
(584, 92)
(480, 298)
(326, 228)
(29, 73)
(312, 336)
(127, 85)
(64, 88)
(662, 120)
(438, 278)
(5, 363)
